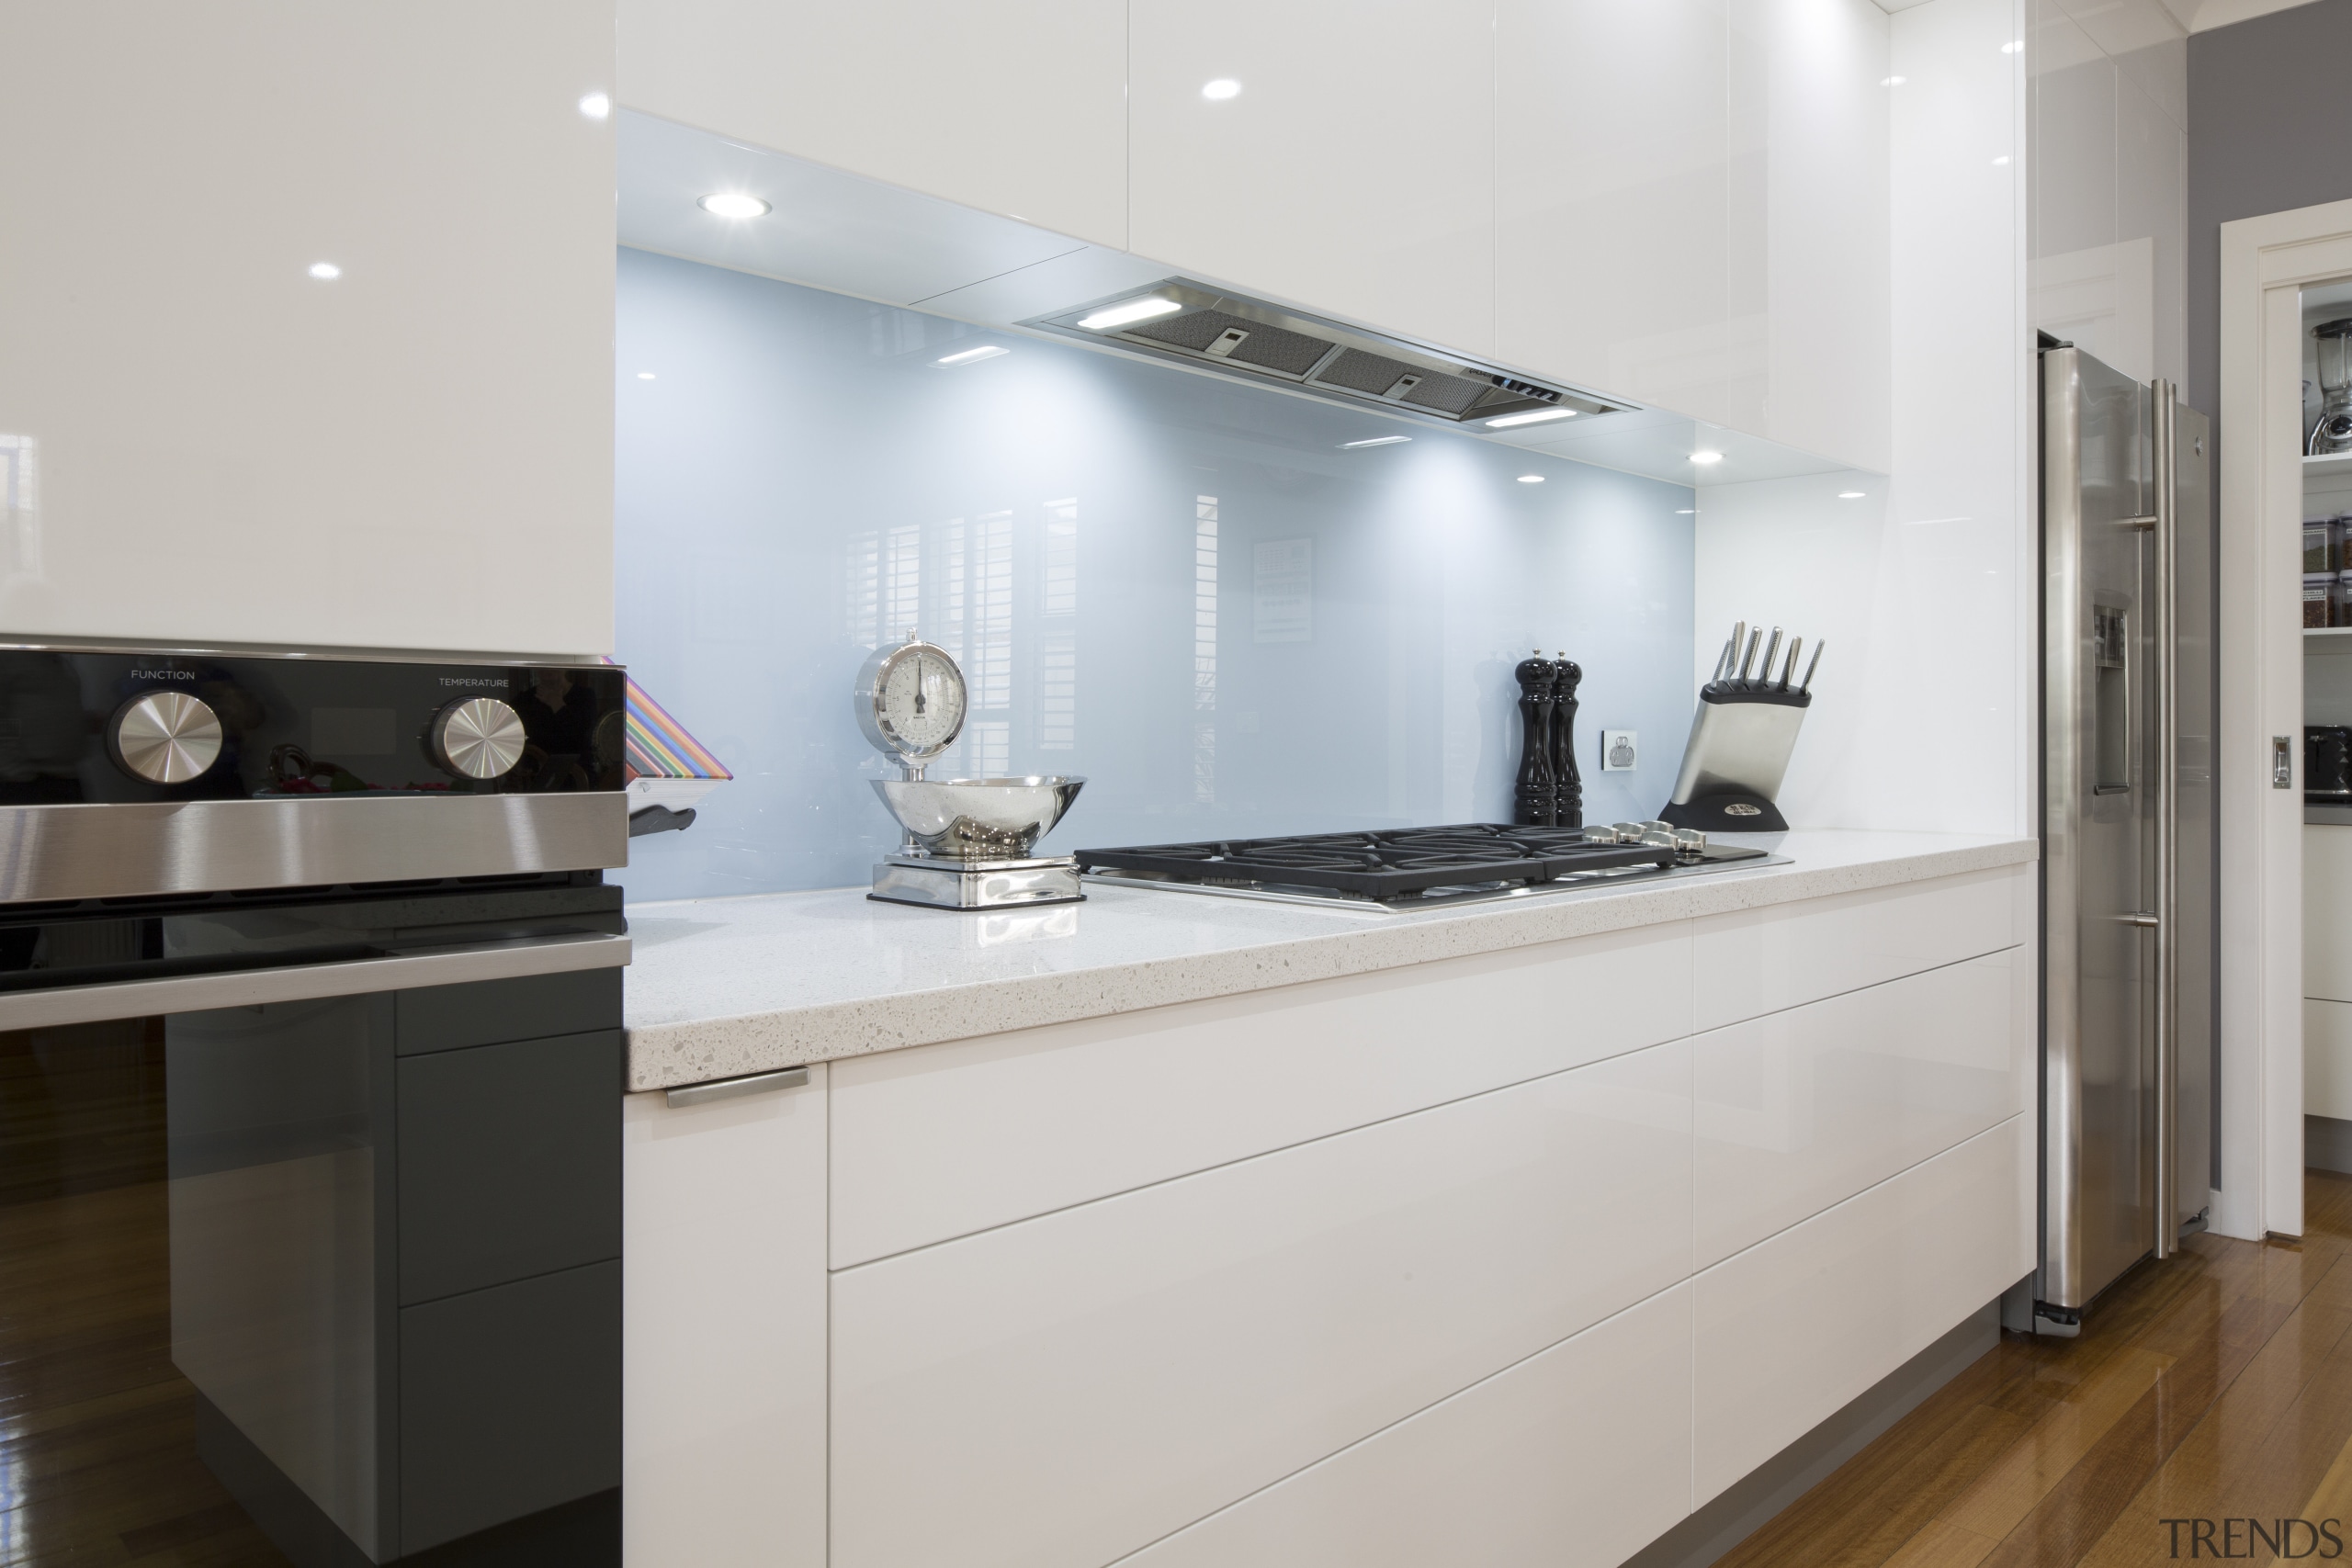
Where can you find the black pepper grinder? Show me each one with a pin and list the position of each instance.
(1567, 784)
(1533, 800)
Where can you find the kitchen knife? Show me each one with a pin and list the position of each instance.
(1748, 662)
(1789, 670)
(1770, 648)
(1812, 667)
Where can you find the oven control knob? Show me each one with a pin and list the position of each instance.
(166, 737)
(480, 738)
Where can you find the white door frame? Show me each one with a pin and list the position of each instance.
(2265, 264)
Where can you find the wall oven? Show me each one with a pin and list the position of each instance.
(310, 1098)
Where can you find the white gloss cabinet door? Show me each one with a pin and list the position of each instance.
(1017, 108)
(1759, 960)
(723, 1331)
(1351, 172)
(1613, 189)
(1787, 1332)
(1059, 1391)
(212, 442)
(2328, 1059)
(1575, 1457)
(938, 1142)
(1804, 1107)
(2327, 913)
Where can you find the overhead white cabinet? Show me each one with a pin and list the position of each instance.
(306, 319)
(1352, 169)
(1017, 108)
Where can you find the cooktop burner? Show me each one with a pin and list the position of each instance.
(1410, 867)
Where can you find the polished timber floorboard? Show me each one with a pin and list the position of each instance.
(2216, 1387)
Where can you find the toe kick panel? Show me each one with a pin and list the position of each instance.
(1057, 1393)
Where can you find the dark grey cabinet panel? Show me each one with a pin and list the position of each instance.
(510, 1402)
(448, 1018)
(510, 1162)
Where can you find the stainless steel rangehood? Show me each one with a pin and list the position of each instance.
(1249, 338)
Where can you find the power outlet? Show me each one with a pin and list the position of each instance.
(1620, 750)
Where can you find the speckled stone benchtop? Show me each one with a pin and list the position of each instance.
(722, 988)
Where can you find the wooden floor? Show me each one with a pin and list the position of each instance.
(2216, 1386)
(98, 1455)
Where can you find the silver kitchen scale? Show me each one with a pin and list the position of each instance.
(967, 842)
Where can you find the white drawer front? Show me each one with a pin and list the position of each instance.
(1056, 1393)
(1759, 960)
(1790, 1330)
(2328, 1059)
(1575, 1457)
(2327, 915)
(947, 1140)
(1804, 1107)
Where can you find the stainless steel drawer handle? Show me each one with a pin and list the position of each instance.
(2143, 918)
(732, 1088)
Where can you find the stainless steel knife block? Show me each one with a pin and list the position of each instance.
(1738, 753)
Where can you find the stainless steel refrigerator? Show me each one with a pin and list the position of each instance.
(2127, 829)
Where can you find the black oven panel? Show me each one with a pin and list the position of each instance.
(82, 727)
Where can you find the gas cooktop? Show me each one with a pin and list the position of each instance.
(1420, 867)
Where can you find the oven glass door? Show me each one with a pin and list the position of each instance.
(293, 1282)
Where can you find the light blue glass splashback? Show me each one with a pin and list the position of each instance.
(1175, 585)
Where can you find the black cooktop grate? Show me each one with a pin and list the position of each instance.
(1394, 864)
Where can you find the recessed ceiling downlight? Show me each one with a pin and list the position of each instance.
(1706, 459)
(733, 204)
(326, 272)
(596, 105)
(1538, 417)
(1128, 312)
(1224, 87)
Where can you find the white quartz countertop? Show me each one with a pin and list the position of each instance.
(732, 986)
(722, 988)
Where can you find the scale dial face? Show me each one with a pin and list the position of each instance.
(910, 701)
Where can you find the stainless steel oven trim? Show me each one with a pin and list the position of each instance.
(433, 656)
(452, 966)
(132, 848)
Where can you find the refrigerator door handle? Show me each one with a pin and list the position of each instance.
(2167, 1008)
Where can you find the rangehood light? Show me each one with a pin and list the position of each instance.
(1538, 417)
(733, 204)
(972, 356)
(1374, 441)
(1131, 312)
(1706, 459)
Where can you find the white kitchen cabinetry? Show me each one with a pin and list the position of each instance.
(1761, 961)
(1798, 1109)
(955, 1138)
(1062, 1391)
(1017, 108)
(723, 1337)
(1789, 1331)
(217, 445)
(1693, 209)
(2327, 971)
(1575, 1457)
(1352, 172)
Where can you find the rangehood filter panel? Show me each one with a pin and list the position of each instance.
(1238, 336)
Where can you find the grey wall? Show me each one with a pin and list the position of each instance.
(2266, 133)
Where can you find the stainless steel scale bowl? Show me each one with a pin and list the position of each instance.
(970, 842)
